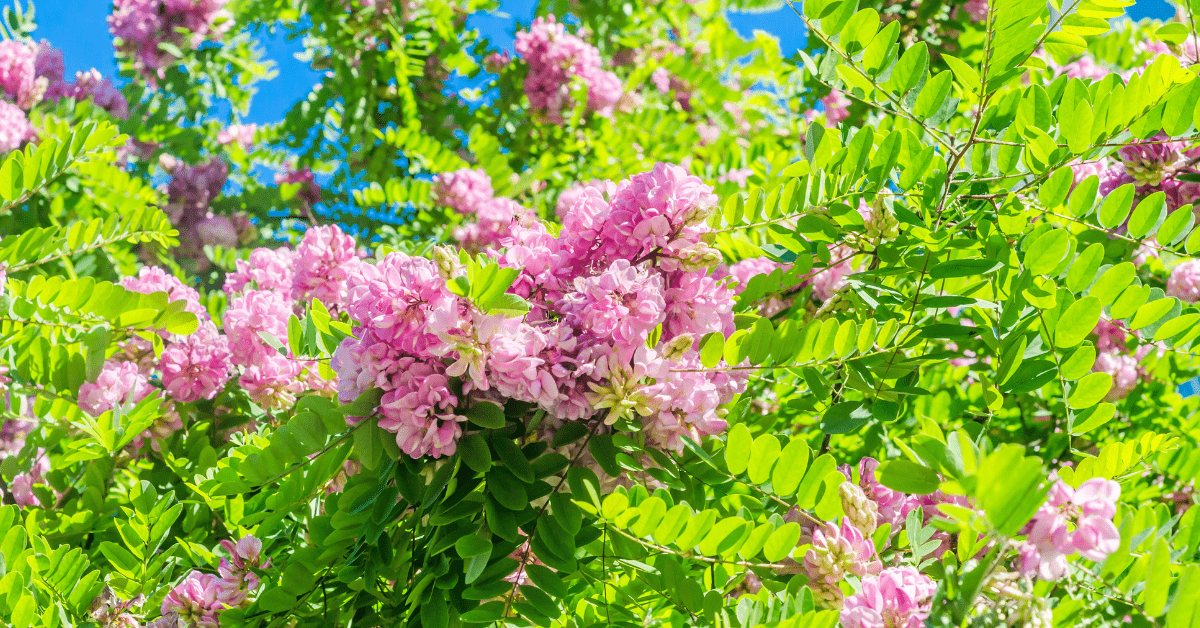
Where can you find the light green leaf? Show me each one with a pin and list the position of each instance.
(1089, 390)
(1077, 322)
(1045, 254)
(737, 449)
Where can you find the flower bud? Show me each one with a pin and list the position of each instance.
(677, 347)
(448, 263)
(861, 512)
(827, 595)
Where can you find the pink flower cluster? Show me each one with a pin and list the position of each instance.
(555, 58)
(139, 27)
(240, 134)
(318, 268)
(323, 262)
(1184, 281)
(1071, 520)
(200, 598)
(15, 128)
(463, 190)
(1113, 358)
(837, 553)
(93, 85)
(190, 194)
(469, 192)
(190, 368)
(245, 557)
(263, 293)
(118, 384)
(21, 84)
(618, 271)
(898, 597)
(18, 73)
(22, 483)
(195, 366)
(892, 507)
(1158, 164)
(835, 107)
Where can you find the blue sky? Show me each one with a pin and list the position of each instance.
(78, 27)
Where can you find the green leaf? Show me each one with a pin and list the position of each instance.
(1009, 487)
(763, 454)
(434, 613)
(1176, 226)
(1173, 33)
(672, 524)
(471, 545)
(547, 580)
(24, 611)
(1185, 607)
(473, 450)
(1089, 390)
(910, 69)
(1151, 313)
(507, 489)
(935, 92)
(1077, 322)
(964, 268)
(1148, 215)
(513, 458)
(1176, 326)
(1116, 206)
(845, 417)
(782, 541)
(1079, 362)
(486, 414)
(570, 432)
(967, 76)
(1083, 196)
(810, 487)
(1093, 418)
(1054, 191)
(696, 529)
(1113, 282)
(859, 30)
(907, 477)
(1158, 580)
(1083, 269)
(882, 49)
(712, 348)
(737, 449)
(1048, 251)
(793, 462)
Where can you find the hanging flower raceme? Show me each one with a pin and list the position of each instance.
(555, 57)
(18, 73)
(324, 260)
(1184, 282)
(1071, 520)
(1115, 359)
(118, 384)
(463, 190)
(140, 27)
(634, 269)
(898, 597)
(15, 128)
(240, 134)
(200, 598)
(836, 553)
